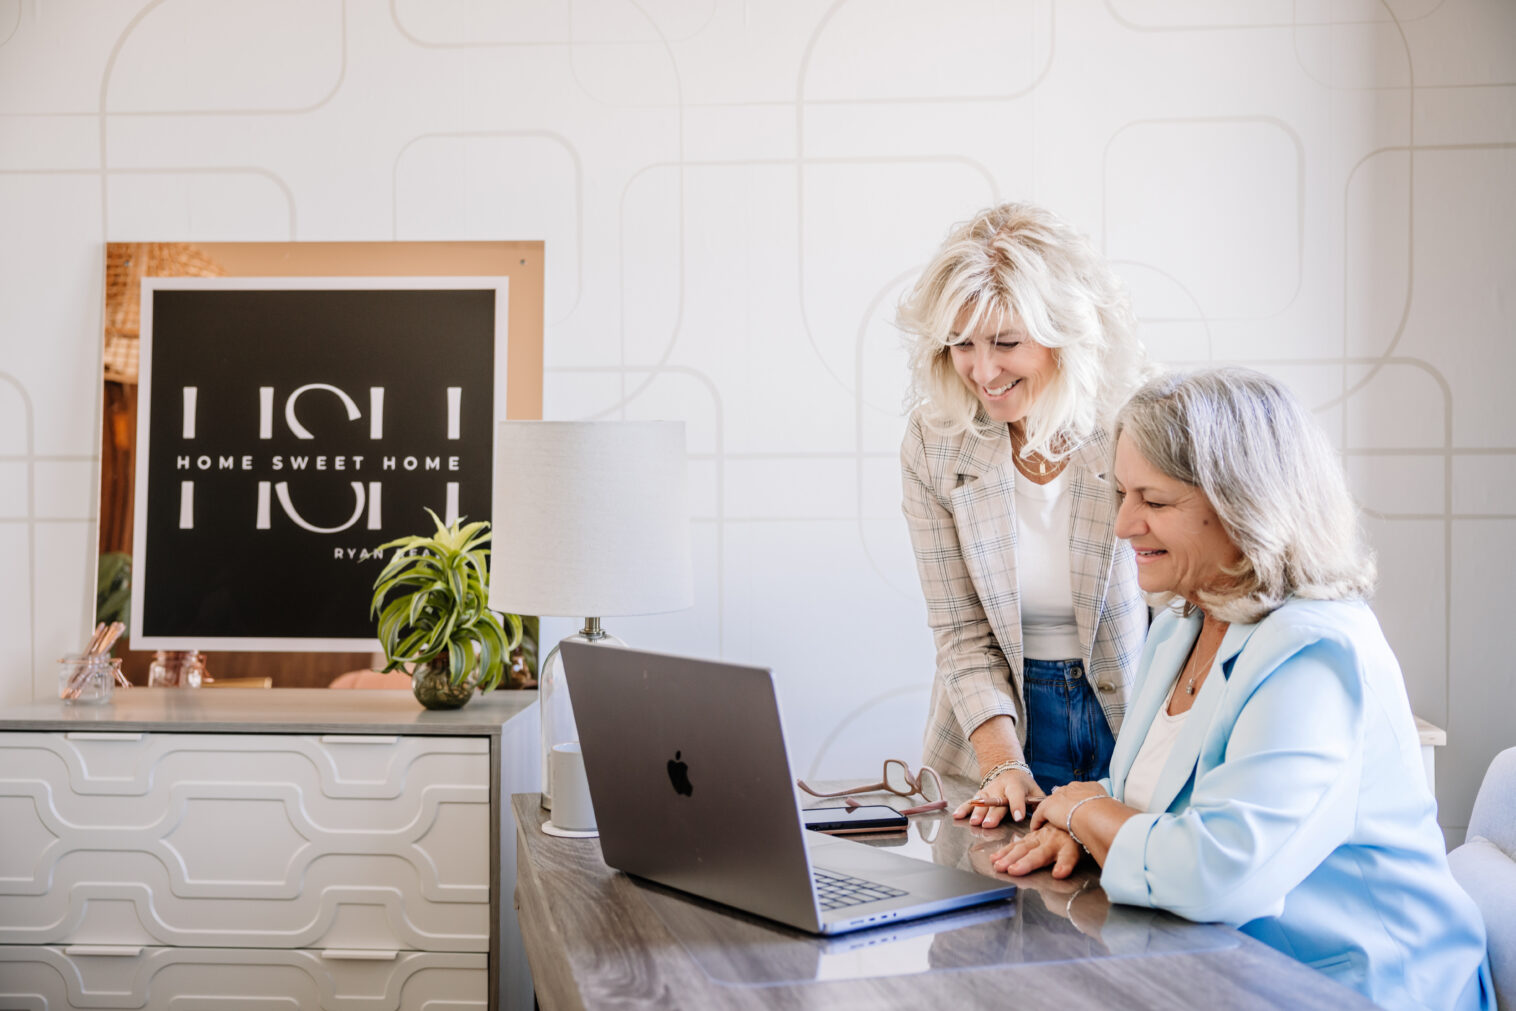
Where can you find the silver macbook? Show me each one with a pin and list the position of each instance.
(692, 789)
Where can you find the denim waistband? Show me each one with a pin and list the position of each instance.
(1068, 670)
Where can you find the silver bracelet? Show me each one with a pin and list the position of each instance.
(1068, 823)
(1001, 769)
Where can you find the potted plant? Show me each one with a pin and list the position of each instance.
(431, 599)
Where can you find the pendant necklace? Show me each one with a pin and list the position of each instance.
(1200, 668)
(1025, 466)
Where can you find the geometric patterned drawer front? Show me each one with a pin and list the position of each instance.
(42, 978)
(245, 840)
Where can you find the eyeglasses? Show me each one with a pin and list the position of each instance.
(897, 779)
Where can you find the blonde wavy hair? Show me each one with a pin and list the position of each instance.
(1265, 465)
(1022, 260)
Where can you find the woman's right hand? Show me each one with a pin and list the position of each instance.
(1038, 849)
(1008, 792)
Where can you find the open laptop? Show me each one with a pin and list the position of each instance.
(692, 789)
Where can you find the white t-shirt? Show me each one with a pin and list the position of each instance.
(1142, 778)
(1043, 515)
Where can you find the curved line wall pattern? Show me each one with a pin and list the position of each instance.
(733, 195)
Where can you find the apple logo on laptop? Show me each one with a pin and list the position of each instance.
(679, 775)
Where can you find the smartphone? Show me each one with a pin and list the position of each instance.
(855, 821)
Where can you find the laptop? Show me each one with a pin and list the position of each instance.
(692, 789)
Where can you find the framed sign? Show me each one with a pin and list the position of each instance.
(288, 426)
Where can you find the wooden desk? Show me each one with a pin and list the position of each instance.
(597, 938)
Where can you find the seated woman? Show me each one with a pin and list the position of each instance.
(1269, 773)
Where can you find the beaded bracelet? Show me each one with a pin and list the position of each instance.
(1068, 823)
(1002, 768)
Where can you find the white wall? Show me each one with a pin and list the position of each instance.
(733, 194)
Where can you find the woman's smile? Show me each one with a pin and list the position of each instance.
(998, 392)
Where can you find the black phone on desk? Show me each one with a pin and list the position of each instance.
(855, 820)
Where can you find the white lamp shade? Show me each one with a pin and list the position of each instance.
(590, 518)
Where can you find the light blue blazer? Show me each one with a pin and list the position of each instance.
(1295, 807)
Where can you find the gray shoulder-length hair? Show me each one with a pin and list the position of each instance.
(1274, 480)
(1022, 260)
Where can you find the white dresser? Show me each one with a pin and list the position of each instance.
(297, 849)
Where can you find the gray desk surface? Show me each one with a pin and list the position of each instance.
(597, 938)
(268, 711)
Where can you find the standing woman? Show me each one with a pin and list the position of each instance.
(1024, 350)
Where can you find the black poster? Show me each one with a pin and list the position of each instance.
(287, 428)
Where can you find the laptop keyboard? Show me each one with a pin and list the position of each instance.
(838, 891)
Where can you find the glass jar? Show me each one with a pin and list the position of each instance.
(87, 677)
(176, 669)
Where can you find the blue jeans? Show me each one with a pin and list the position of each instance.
(1067, 736)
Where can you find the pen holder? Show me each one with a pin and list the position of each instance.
(88, 678)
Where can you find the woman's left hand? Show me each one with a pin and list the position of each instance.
(1037, 849)
(1055, 809)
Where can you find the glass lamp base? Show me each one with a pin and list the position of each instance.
(553, 703)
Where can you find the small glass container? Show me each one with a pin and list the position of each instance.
(87, 678)
(184, 668)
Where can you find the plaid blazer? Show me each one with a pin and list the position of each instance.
(960, 505)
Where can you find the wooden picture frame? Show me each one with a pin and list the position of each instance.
(127, 263)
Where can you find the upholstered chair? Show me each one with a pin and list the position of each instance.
(1485, 865)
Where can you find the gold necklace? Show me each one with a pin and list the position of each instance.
(1025, 467)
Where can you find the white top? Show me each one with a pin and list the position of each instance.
(1142, 778)
(1043, 515)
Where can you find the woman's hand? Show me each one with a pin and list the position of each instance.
(1006, 793)
(1038, 849)
(1055, 810)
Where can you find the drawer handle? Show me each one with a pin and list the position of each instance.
(99, 735)
(360, 954)
(111, 950)
(357, 739)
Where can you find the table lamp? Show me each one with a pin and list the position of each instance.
(590, 519)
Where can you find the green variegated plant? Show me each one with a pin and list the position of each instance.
(432, 603)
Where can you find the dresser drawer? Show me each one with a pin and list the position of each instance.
(45, 977)
(245, 840)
